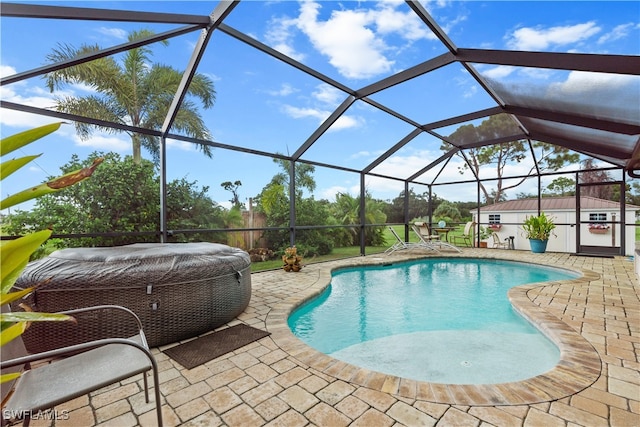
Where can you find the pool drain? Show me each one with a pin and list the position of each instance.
(465, 363)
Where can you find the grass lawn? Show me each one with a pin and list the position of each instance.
(349, 251)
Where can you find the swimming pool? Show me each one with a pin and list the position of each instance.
(442, 320)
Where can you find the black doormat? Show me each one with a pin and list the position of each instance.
(208, 347)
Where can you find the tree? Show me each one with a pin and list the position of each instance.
(232, 218)
(592, 175)
(274, 201)
(562, 186)
(276, 192)
(130, 92)
(191, 208)
(346, 210)
(418, 206)
(447, 210)
(548, 157)
(632, 193)
(303, 176)
(233, 187)
(122, 197)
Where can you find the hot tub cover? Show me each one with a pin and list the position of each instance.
(179, 290)
(134, 265)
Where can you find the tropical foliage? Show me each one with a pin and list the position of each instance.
(346, 210)
(538, 227)
(130, 92)
(15, 254)
(447, 212)
(124, 197)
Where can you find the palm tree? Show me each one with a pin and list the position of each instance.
(130, 92)
(347, 211)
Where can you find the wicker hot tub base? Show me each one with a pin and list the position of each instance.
(179, 290)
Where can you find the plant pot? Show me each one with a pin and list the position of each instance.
(598, 230)
(538, 246)
(481, 245)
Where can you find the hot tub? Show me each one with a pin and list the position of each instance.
(179, 290)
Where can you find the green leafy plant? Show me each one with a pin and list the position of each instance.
(538, 227)
(14, 254)
(485, 233)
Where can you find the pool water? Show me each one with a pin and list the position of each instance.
(438, 320)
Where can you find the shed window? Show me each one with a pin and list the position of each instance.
(494, 218)
(597, 217)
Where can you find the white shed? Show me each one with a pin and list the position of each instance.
(598, 231)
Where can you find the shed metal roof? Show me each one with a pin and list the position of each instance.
(549, 204)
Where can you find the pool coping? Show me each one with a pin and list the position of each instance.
(579, 366)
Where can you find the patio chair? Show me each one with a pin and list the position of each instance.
(466, 236)
(402, 245)
(497, 243)
(75, 370)
(422, 230)
(434, 243)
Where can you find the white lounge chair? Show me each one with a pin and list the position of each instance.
(433, 243)
(402, 245)
(422, 229)
(467, 234)
(497, 243)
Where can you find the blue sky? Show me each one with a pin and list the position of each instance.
(266, 105)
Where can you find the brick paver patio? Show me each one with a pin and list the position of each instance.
(278, 381)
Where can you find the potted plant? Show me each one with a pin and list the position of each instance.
(484, 233)
(598, 228)
(538, 229)
(292, 261)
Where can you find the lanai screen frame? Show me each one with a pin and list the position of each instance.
(626, 159)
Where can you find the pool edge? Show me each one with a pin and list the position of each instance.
(579, 366)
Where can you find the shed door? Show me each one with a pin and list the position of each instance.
(600, 229)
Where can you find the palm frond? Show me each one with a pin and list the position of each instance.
(90, 106)
(98, 73)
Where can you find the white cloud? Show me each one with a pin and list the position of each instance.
(585, 88)
(284, 90)
(581, 82)
(537, 73)
(117, 33)
(539, 38)
(328, 95)
(343, 122)
(352, 48)
(619, 32)
(281, 38)
(498, 72)
(346, 122)
(353, 40)
(362, 154)
(6, 70)
(330, 193)
(470, 91)
(300, 113)
(180, 145)
(408, 25)
(103, 141)
(325, 98)
(21, 93)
